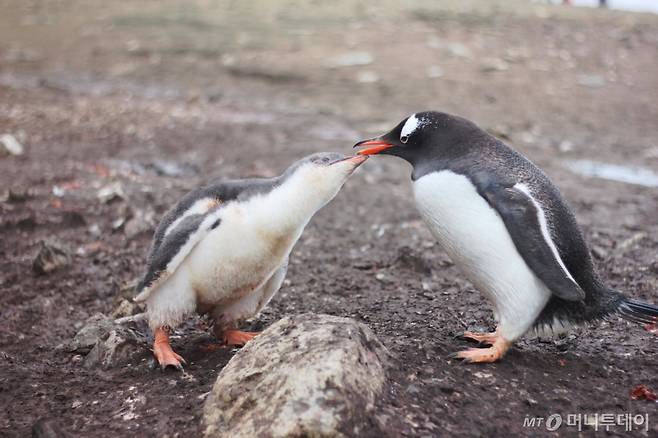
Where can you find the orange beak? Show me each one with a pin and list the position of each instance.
(374, 147)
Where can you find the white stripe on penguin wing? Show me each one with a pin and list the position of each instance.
(194, 238)
(200, 206)
(206, 225)
(543, 224)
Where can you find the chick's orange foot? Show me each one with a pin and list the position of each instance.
(162, 351)
(237, 338)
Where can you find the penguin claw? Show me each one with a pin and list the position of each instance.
(483, 355)
(477, 355)
(480, 338)
(169, 359)
(176, 367)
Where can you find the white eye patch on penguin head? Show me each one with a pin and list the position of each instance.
(412, 125)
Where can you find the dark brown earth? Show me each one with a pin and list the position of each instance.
(106, 92)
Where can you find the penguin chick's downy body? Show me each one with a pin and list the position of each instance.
(506, 226)
(223, 249)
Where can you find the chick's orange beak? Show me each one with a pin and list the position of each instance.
(375, 146)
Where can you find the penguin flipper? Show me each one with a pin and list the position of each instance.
(174, 248)
(526, 224)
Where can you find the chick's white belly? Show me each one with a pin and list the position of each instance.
(228, 265)
(476, 239)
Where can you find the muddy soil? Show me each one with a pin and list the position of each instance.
(159, 97)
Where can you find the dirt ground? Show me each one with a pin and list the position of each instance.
(160, 97)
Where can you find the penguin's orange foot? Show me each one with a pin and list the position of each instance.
(484, 355)
(238, 338)
(481, 338)
(162, 351)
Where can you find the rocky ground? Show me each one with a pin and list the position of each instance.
(112, 110)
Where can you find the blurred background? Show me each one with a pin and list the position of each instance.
(549, 75)
(111, 110)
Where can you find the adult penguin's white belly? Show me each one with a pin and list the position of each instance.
(476, 239)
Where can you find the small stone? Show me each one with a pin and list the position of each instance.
(17, 196)
(630, 243)
(434, 71)
(531, 401)
(51, 256)
(125, 308)
(483, 375)
(58, 191)
(142, 221)
(95, 230)
(10, 145)
(172, 168)
(122, 346)
(599, 252)
(127, 290)
(94, 328)
(490, 65)
(413, 389)
(408, 258)
(76, 404)
(107, 344)
(565, 146)
(367, 77)
(459, 50)
(351, 59)
(591, 81)
(111, 192)
(118, 223)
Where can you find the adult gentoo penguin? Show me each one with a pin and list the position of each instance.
(223, 249)
(506, 226)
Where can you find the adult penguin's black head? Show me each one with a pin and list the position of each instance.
(426, 136)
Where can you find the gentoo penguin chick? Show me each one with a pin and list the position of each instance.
(223, 249)
(506, 226)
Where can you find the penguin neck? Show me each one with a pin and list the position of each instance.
(423, 167)
(433, 160)
(423, 162)
(290, 205)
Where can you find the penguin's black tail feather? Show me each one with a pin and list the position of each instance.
(637, 311)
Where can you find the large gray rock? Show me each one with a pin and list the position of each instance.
(308, 375)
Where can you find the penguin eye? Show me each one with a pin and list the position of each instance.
(404, 138)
